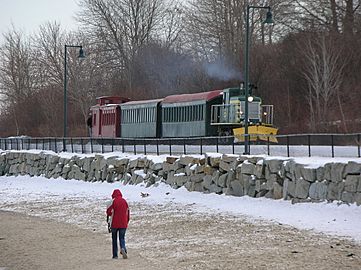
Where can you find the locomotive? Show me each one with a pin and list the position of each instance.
(212, 113)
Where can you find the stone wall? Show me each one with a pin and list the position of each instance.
(227, 174)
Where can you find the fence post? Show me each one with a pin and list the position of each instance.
(135, 147)
(332, 147)
(113, 144)
(217, 147)
(309, 145)
(102, 140)
(64, 145)
(201, 145)
(157, 146)
(170, 147)
(22, 144)
(43, 140)
(6, 146)
(288, 146)
(233, 147)
(91, 145)
(17, 144)
(82, 145)
(56, 145)
(123, 146)
(145, 147)
(36, 143)
(359, 144)
(268, 152)
(72, 146)
(184, 146)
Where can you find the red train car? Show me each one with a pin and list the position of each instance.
(105, 117)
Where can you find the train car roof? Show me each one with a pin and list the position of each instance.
(139, 102)
(207, 96)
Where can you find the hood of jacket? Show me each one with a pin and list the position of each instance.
(116, 193)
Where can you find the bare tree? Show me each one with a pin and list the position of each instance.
(18, 81)
(323, 73)
(121, 28)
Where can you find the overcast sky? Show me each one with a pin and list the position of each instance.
(28, 15)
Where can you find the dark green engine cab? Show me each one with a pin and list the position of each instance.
(231, 113)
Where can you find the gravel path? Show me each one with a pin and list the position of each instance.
(70, 233)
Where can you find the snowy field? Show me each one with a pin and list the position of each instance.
(18, 193)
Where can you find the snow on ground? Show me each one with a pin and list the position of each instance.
(330, 218)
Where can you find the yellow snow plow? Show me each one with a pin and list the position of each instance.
(257, 133)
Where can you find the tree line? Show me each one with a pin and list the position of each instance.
(307, 64)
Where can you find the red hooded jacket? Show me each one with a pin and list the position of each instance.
(119, 210)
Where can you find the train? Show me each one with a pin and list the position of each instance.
(204, 114)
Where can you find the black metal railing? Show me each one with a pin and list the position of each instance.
(291, 145)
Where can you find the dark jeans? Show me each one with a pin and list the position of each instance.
(115, 240)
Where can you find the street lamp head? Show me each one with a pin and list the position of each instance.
(269, 17)
(81, 53)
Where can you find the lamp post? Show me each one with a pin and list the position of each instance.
(81, 55)
(268, 20)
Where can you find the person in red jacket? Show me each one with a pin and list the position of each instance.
(119, 211)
